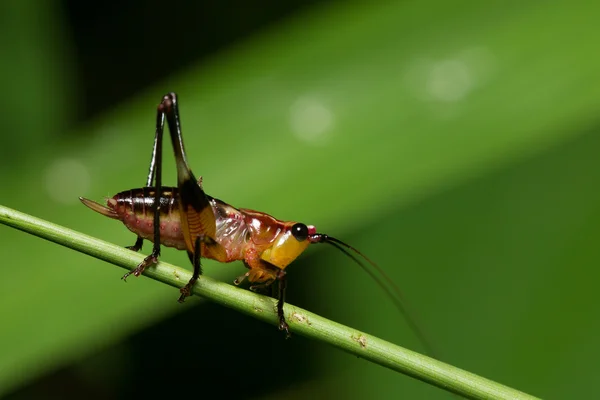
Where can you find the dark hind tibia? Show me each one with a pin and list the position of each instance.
(195, 259)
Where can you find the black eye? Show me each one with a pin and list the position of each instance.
(300, 232)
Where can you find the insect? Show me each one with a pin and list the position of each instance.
(186, 218)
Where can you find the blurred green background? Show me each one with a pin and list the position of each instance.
(454, 143)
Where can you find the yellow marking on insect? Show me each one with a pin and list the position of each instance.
(360, 339)
(258, 310)
(176, 274)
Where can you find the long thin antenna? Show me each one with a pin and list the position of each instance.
(390, 288)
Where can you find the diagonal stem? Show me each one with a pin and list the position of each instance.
(263, 308)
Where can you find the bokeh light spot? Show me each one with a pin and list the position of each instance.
(310, 119)
(66, 180)
(449, 80)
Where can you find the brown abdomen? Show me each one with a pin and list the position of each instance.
(135, 208)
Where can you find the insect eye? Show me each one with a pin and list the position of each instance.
(300, 232)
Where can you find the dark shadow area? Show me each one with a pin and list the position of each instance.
(123, 47)
(206, 349)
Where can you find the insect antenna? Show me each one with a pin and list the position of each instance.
(384, 281)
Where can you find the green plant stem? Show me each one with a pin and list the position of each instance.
(301, 321)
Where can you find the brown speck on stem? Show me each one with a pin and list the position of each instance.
(300, 318)
(360, 339)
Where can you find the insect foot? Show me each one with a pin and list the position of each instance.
(185, 291)
(283, 326)
(139, 270)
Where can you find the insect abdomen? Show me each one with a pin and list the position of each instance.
(135, 208)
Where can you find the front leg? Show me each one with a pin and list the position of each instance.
(283, 326)
(262, 274)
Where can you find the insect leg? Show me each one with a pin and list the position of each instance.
(262, 288)
(195, 259)
(160, 123)
(197, 216)
(198, 224)
(155, 167)
(140, 241)
(283, 326)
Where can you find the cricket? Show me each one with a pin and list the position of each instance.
(186, 218)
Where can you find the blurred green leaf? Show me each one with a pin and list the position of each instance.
(35, 77)
(349, 117)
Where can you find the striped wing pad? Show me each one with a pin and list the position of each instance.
(198, 219)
